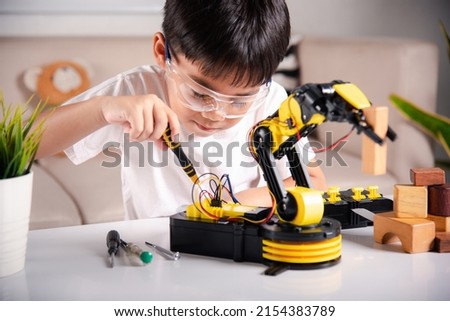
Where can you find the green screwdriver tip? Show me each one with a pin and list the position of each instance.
(146, 257)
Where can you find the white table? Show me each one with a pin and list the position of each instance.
(71, 264)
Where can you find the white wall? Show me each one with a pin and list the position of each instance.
(80, 17)
(394, 18)
(81, 24)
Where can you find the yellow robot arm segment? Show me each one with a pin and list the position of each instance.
(292, 114)
(310, 206)
(289, 120)
(352, 94)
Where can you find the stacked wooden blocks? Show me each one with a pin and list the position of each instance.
(421, 216)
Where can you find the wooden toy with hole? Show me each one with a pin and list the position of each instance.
(421, 216)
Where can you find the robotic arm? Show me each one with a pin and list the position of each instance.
(276, 136)
(306, 108)
(301, 237)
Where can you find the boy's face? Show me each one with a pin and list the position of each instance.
(204, 105)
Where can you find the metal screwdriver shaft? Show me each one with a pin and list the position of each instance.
(169, 254)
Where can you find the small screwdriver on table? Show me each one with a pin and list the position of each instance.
(144, 256)
(166, 253)
(113, 243)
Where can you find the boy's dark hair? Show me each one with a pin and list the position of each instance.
(244, 38)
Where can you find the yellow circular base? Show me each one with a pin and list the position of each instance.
(305, 252)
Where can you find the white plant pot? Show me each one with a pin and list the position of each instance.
(15, 206)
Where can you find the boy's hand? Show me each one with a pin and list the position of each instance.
(143, 117)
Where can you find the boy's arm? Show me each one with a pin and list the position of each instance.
(317, 177)
(143, 117)
(260, 196)
(66, 125)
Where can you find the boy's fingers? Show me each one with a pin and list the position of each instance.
(174, 124)
(159, 123)
(139, 124)
(161, 144)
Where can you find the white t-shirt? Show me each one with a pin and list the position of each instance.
(153, 183)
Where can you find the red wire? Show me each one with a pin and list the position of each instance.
(340, 140)
(272, 211)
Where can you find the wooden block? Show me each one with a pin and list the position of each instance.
(415, 234)
(442, 222)
(374, 156)
(442, 242)
(439, 200)
(410, 201)
(427, 176)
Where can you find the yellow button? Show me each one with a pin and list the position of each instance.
(373, 192)
(357, 193)
(333, 194)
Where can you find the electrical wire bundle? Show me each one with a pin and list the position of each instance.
(210, 201)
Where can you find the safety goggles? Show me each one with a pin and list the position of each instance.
(202, 99)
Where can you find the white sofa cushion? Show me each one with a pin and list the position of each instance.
(51, 206)
(96, 188)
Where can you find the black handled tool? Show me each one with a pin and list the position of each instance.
(182, 158)
(113, 244)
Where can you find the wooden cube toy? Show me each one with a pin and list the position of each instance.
(439, 200)
(442, 242)
(427, 176)
(442, 222)
(410, 201)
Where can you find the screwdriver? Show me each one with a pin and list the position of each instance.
(112, 242)
(169, 254)
(185, 163)
(144, 256)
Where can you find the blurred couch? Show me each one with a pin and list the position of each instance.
(65, 194)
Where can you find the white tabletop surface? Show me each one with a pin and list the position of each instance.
(71, 264)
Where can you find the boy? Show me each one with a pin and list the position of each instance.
(211, 84)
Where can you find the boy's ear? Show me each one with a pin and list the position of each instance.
(159, 49)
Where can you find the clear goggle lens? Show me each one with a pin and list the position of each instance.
(199, 98)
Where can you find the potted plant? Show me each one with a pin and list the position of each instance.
(20, 133)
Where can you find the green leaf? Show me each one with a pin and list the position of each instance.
(444, 140)
(444, 31)
(435, 125)
(20, 136)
